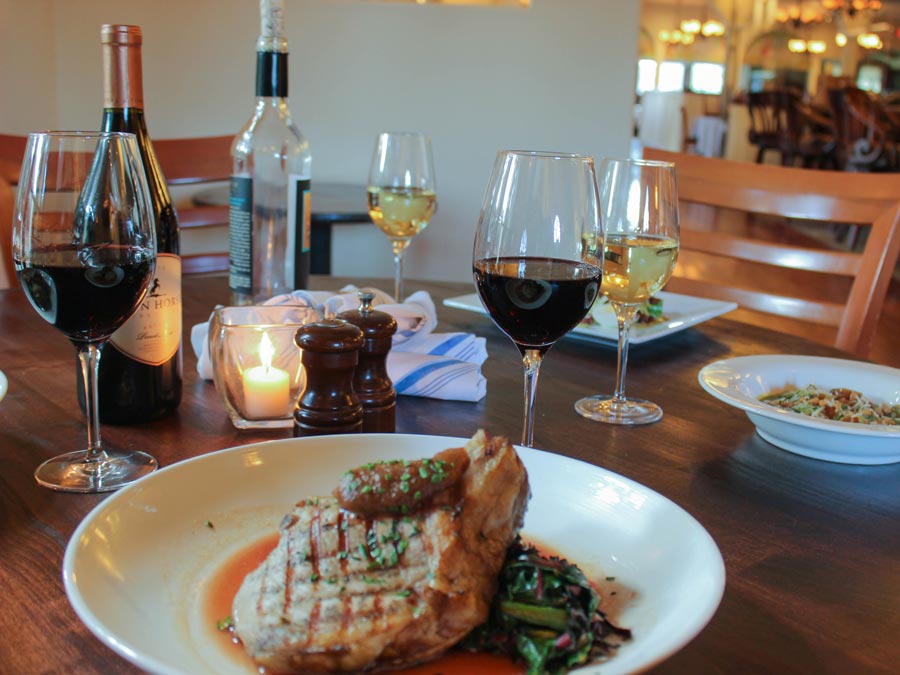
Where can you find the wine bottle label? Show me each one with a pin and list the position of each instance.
(299, 228)
(153, 332)
(240, 235)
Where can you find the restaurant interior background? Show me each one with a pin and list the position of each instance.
(477, 75)
(558, 75)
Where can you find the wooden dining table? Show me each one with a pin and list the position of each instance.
(811, 548)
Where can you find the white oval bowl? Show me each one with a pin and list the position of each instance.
(741, 381)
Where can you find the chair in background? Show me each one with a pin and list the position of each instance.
(767, 123)
(865, 133)
(780, 121)
(791, 288)
(12, 148)
(195, 162)
(184, 161)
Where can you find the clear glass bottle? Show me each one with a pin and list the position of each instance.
(269, 215)
(140, 373)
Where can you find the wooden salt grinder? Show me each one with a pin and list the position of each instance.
(372, 384)
(328, 404)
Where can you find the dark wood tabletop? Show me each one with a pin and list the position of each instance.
(812, 549)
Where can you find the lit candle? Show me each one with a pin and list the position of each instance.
(266, 388)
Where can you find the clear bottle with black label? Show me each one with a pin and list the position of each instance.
(269, 214)
(140, 375)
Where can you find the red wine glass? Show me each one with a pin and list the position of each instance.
(534, 273)
(84, 249)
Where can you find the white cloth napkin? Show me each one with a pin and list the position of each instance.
(421, 362)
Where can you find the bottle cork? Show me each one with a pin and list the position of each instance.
(371, 382)
(328, 404)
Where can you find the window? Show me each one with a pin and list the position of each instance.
(671, 76)
(707, 78)
(700, 78)
(646, 75)
(869, 77)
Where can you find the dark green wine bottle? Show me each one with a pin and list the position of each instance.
(141, 366)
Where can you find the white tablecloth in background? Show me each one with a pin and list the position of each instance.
(710, 134)
(659, 123)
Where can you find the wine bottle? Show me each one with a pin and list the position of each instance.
(141, 366)
(269, 214)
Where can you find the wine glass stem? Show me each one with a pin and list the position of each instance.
(399, 249)
(89, 358)
(625, 315)
(531, 359)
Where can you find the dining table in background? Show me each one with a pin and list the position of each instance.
(811, 548)
(332, 204)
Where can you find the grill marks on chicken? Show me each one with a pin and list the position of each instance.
(343, 592)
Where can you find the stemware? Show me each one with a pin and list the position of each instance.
(401, 192)
(534, 275)
(639, 202)
(84, 248)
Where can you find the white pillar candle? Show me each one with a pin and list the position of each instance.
(266, 388)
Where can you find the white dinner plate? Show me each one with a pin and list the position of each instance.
(681, 312)
(137, 567)
(4, 385)
(741, 381)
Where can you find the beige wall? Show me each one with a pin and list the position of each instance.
(557, 76)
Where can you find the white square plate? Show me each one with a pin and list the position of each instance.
(681, 311)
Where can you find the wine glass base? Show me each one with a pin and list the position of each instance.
(71, 472)
(629, 411)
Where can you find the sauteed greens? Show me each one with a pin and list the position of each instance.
(547, 614)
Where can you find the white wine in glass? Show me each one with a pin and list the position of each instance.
(401, 192)
(639, 202)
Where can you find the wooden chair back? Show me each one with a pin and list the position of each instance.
(831, 296)
(768, 122)
(184, 162)
(12, 149)
(194, 162)
(865, 135)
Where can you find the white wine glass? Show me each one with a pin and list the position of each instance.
(639, 205)
(533, 273)
(401, 192)
(84, 248)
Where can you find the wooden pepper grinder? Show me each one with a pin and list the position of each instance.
(372, 384)
(328, 404)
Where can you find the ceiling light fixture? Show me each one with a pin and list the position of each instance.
(869, 41)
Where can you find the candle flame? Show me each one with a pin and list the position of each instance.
(266, 351)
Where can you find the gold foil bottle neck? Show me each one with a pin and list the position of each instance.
(123, 85)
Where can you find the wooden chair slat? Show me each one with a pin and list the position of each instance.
(818, 197)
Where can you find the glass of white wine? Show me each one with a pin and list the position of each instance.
(401, 191)
(639, 206)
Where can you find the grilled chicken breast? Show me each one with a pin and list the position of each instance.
(360, 592)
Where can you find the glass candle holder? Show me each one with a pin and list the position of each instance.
(256, 362)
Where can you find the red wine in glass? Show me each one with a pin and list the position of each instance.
(86, 293)
(536, 301)
(84, 248)
(534, 272)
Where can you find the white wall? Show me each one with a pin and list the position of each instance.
(556, 76)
